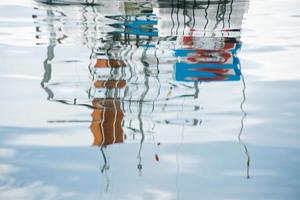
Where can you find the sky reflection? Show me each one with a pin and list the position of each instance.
(161, 91)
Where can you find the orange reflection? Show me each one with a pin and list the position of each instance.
(107, 116)
(110, 84)
(105, 63)
(107, 120)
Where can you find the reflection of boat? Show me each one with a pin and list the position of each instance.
(112, 63)
(106, 123)
(134, 54)
(208, 64)
(207, 18)
(108, 115)
(128, 57)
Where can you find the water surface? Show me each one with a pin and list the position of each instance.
(149, 99)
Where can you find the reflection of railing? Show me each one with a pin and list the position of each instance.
(193, 42)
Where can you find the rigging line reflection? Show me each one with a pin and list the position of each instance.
(177, 18)
(140, 166)
(242, 127)
(184, 13)
(194, 18)
(50, 56)
(230, 13)
(48, 65)
(132, 57)
(156, 77)
(196, 85)
(173, 22)
(206, 18)
(105, 167)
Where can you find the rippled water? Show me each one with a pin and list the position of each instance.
(149, 99)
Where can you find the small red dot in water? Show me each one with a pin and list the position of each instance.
(156, 157)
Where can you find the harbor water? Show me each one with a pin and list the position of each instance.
(149, 99)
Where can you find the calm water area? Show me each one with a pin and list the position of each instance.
(149, 100)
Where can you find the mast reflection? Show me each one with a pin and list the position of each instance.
(145, 57)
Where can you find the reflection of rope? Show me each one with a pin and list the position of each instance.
(140, 166)
(47, 64)
(194, 18)
(177, 14)
(105, 167)
(229, 16)
(141, 110)
(173, 23)
(50, 56)
(85, 34)
(206, 14)
(242, 127)
(184, 12)
(220, 15)
(196, 85)
(157, 78)
(115, 120)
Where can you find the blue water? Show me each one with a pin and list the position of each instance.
(149, 99)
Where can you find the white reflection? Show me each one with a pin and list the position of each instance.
(7, 153)
(35, 190)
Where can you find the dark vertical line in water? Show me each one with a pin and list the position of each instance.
(140, 165)
(194, 16)
(128, 52)
(242, 127)
(47, 64)
(224, 8)
(105, 164)
(177, 17)
(217, 15)
(230, 13)
(117, 93)
(173, 23)
(90, 66)
(93, 44)
(157, 78)
(136, 79)
(196, 86)
(105, 167)
(206, 17)
(137, 41)
(184, 15)
(85, 24)
(131, 94)
(95, 17)
(123, 75)
(141, 101)
(50, 56)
